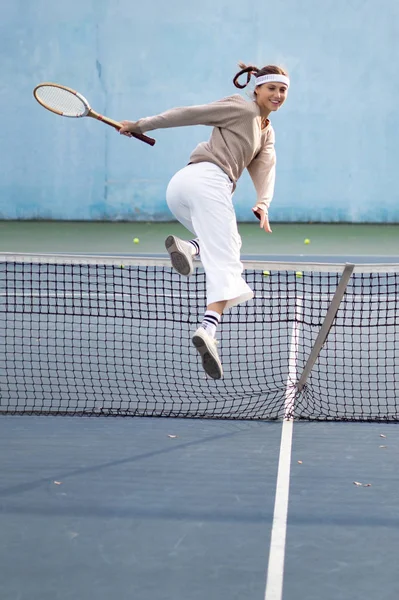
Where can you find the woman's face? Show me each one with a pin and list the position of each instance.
(270, 96)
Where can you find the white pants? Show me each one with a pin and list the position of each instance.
(200, 197)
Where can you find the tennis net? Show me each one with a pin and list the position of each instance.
(88, 335)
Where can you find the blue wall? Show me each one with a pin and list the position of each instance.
(337, 135)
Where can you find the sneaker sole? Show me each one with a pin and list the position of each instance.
(210, 365)
(178, 259)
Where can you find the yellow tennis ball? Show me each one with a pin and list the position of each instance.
(136, 240)
(307, 241)
(299, 274)
(266, 273)
(121, 266)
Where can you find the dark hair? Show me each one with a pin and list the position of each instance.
(251, 70)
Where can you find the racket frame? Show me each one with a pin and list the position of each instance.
(89, 112)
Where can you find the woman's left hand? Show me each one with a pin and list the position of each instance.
(263, 218)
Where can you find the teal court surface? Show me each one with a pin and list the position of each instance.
(244, 488)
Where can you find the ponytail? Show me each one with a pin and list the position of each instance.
(249, 70)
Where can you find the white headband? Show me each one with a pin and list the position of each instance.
(270, 78)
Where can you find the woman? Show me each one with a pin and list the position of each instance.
(200, 194)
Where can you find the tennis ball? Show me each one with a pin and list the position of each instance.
(266, 273)
(307, 241)
(299, 274)
(136, 240)
(121, 266)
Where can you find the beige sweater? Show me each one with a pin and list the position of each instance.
(237, 140)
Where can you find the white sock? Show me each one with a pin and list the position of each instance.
(210, 322)
(194, 247)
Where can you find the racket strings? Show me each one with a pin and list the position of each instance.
(61, 100)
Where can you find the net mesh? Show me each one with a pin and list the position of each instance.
(97, 337)
(61, 100)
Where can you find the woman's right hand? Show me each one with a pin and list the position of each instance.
(129, 127)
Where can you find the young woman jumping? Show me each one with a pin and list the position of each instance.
(200, 194)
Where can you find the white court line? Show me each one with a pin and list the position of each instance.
(275, 570)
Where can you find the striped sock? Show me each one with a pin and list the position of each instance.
(210, 322)
(195, 247)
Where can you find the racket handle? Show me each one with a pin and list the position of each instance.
(117, 125)
(144, 138)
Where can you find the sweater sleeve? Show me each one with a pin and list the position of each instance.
(262, 170)
(216, 114)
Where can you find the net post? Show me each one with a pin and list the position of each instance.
(328, 321)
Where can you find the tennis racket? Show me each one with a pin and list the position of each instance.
(63, 101)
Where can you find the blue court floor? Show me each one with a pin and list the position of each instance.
(183, 509)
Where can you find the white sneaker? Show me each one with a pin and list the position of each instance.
(180, 255)
(207, 347)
